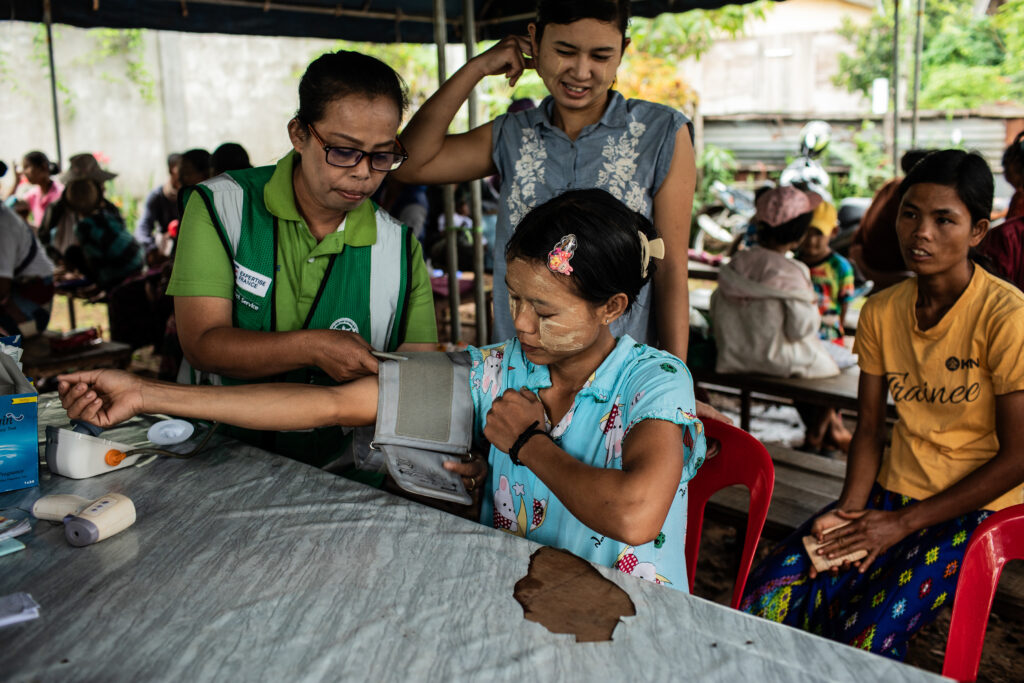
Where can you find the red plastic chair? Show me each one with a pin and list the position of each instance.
(996, 540)
(741, 460)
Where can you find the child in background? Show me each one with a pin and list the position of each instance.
(765, 312)
(44, 190)
(831, 274)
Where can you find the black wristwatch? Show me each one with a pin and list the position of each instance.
(528, 433)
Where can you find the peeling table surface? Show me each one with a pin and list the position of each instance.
(244, 565)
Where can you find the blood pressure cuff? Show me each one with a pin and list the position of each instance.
(424, 417)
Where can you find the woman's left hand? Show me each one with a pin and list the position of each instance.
(510, 415)
(872, 530)
(473, 471)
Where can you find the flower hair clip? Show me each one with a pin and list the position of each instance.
(558, 258)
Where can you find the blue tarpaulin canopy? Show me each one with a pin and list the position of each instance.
(380, 21)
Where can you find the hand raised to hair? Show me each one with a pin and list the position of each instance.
(510, 56)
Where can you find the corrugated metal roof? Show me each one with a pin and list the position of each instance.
(763, 141)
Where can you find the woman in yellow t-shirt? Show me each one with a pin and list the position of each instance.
(944, 346)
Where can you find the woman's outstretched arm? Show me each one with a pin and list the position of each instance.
(109, 397)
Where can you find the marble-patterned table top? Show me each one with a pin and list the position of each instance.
(245, 566)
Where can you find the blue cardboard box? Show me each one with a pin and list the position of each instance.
(19, 430)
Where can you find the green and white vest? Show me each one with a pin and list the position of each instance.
(365, 289)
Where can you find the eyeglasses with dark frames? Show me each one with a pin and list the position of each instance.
(347, 157)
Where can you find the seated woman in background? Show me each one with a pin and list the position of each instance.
(230, 156)
(38, 171)
(103, 249)
(594, 436)
(946, 346)
(1004, 244)
(765, 313)
(1013, 171)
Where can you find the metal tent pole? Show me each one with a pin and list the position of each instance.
(469, 28)
(918, 48)
(896, 88)
(451, 236)
(48, 18)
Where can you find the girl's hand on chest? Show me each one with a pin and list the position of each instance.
(510, 415)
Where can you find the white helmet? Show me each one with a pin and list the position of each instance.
(814, 138)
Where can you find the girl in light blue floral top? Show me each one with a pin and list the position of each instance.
(617, 438)
(591, 440)
(583, 135)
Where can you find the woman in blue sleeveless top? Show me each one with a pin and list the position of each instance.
(584, 134)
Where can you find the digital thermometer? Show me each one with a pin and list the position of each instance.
(87, 522)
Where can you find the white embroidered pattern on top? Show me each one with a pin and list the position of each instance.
(618, 172)
(529, 170)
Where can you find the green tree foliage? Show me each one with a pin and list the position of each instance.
(869, 164)
(651, 68)
(679, 36)
(1008, 22)
(966, 61)
(416, 63)
(715, 163)
(114, 54)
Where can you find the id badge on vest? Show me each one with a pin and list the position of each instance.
(248, 281)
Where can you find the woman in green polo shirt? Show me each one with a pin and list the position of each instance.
(289, 271)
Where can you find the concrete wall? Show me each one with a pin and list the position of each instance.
(784, 64)
(208, 89)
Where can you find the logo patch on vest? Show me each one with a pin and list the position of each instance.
(251, 281)
(345, 325)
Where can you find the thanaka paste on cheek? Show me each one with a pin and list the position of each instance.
(559, 337)
(514, 307)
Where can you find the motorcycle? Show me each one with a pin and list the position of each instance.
(720, 223)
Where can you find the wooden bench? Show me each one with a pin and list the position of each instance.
(697, 270)
(805, 483)
(40, 364)
(834, 392)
